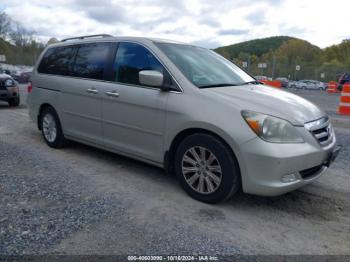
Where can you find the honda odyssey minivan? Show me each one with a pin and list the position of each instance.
(183, 108)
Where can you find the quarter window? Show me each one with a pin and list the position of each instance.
(131, 58)
(90, 61)
(57, 61)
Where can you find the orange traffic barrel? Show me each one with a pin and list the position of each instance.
(332, 87)
(344, 105)
(275, 83)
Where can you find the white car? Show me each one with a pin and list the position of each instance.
(294, 84)
(318, 84)
(313, 84)
(307, 84)
(259, 78)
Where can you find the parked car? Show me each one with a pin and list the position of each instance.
(296, 85)
(24, 77)
(259, 78)
(15, 75)
(322, 85)
(284, 81)
(307, 84)
(314, 84)
(180, 107)
(343, 79)
(9, 91)
(291, 84)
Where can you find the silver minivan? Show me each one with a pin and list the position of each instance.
(183, 108)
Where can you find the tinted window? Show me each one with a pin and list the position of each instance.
(132, 58)
(90, 61)
(57, 61)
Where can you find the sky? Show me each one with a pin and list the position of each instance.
(203, 22)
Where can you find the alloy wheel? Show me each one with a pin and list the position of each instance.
(202, 170)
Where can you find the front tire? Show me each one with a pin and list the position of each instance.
(14, 102)
(206, 168)
(51, 128)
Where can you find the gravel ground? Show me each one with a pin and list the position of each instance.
(81, 200)
(41, 203)
(44, 201)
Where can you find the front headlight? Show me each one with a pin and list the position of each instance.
(9, 82)
(272, 129)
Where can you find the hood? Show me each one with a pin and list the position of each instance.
(4, 76)
(268, 100)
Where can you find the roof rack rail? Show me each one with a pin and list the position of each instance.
(85, 36)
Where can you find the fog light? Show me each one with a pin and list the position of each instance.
(289, 178)
(14, 89)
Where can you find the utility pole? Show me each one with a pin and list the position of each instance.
(297, 68)
(249, 63)
(273, 65)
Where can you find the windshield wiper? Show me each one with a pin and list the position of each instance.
(255, 82)
(217, 85)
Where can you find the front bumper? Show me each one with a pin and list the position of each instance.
(267, 163)
(8, 94)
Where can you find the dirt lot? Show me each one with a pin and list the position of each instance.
(82, 200)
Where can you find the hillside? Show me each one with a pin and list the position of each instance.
(256, 47)
(283, 53)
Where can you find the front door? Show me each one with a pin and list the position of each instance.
(134, 115)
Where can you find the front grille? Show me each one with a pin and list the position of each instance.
(322, 130)
(310, 172)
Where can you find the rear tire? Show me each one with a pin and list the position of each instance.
(13, 102)
(51, 128)
(207, 169)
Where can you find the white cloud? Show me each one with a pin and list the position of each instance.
(209, 23)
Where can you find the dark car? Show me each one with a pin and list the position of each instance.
(343, 79)
(284, 81)
(9, 91)
(15, 75)
(24, 77)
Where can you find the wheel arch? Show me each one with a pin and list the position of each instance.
(169, 155)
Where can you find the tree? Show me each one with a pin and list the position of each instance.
(5, 25)
(20, 36)
(52, 40)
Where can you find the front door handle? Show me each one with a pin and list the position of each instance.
(92, 91)
(112, 93)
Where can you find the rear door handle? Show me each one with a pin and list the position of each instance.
(112, 93)
(92, 91)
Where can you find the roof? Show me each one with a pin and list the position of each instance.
(104, 37)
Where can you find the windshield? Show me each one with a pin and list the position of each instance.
(203, 67)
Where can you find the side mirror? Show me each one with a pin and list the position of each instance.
(151, 78)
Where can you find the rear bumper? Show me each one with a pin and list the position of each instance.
(268, 165)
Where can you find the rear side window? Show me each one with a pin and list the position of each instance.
(57, 61)
(132, 58)
(90, 61)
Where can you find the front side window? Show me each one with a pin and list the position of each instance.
(204, 68)
(90, 61)
(131, 58)
(57, 61)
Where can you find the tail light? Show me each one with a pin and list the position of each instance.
(29, 87)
